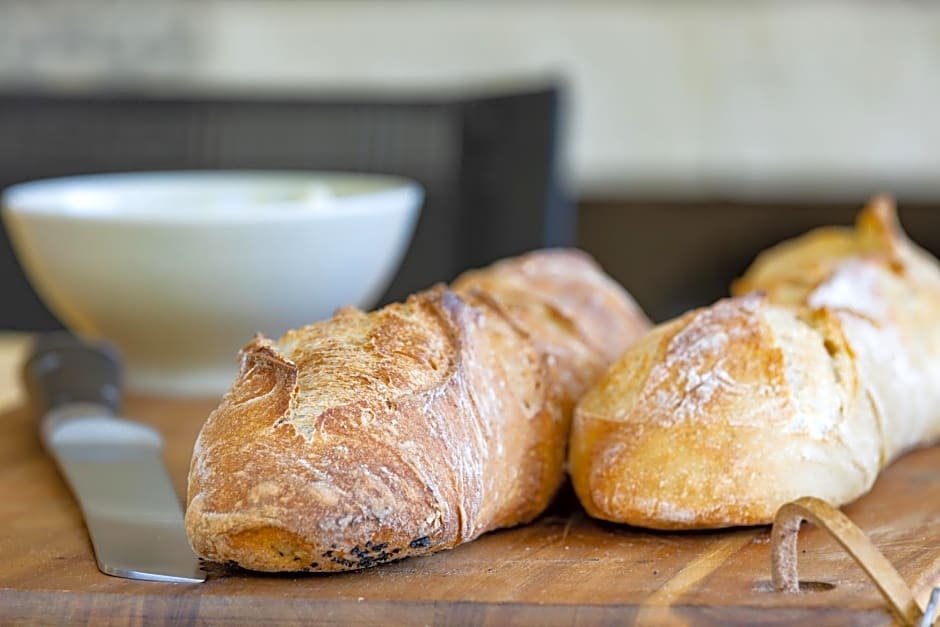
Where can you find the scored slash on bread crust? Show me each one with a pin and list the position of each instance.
(578, 317)
(370, 437)
(820, 371)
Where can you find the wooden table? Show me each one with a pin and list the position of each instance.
(565, 569)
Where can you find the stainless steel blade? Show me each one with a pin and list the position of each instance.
(115, 469)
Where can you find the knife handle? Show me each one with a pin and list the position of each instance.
(63, 369)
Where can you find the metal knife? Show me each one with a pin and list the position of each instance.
(114, 466)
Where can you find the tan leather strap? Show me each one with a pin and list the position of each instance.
(784, 554)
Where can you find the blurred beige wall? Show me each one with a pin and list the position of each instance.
(771, 99)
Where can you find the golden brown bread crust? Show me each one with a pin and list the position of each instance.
(371, 437)
(805, 387)
(578, 317)
(885, 299)
(700, 423)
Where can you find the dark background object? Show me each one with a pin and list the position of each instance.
(488, 163)
(673, 256)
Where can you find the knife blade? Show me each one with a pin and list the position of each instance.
(113, 466)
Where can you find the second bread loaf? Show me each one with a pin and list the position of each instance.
(822, 370)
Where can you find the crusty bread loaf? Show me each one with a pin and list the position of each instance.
(412, 429)
(819, 372)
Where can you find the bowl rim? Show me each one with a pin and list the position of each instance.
(31, 198)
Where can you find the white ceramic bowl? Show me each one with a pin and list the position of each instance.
(180, 269)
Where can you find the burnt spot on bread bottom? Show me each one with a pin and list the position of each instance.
(371, 554)
(218, 570)
(284, 551)
(357, 557)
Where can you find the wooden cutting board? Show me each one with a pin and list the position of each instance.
(564, 569)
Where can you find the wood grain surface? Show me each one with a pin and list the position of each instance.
(564, 569)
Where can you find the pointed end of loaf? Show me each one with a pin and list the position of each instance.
(880, 210)
(878, 225)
